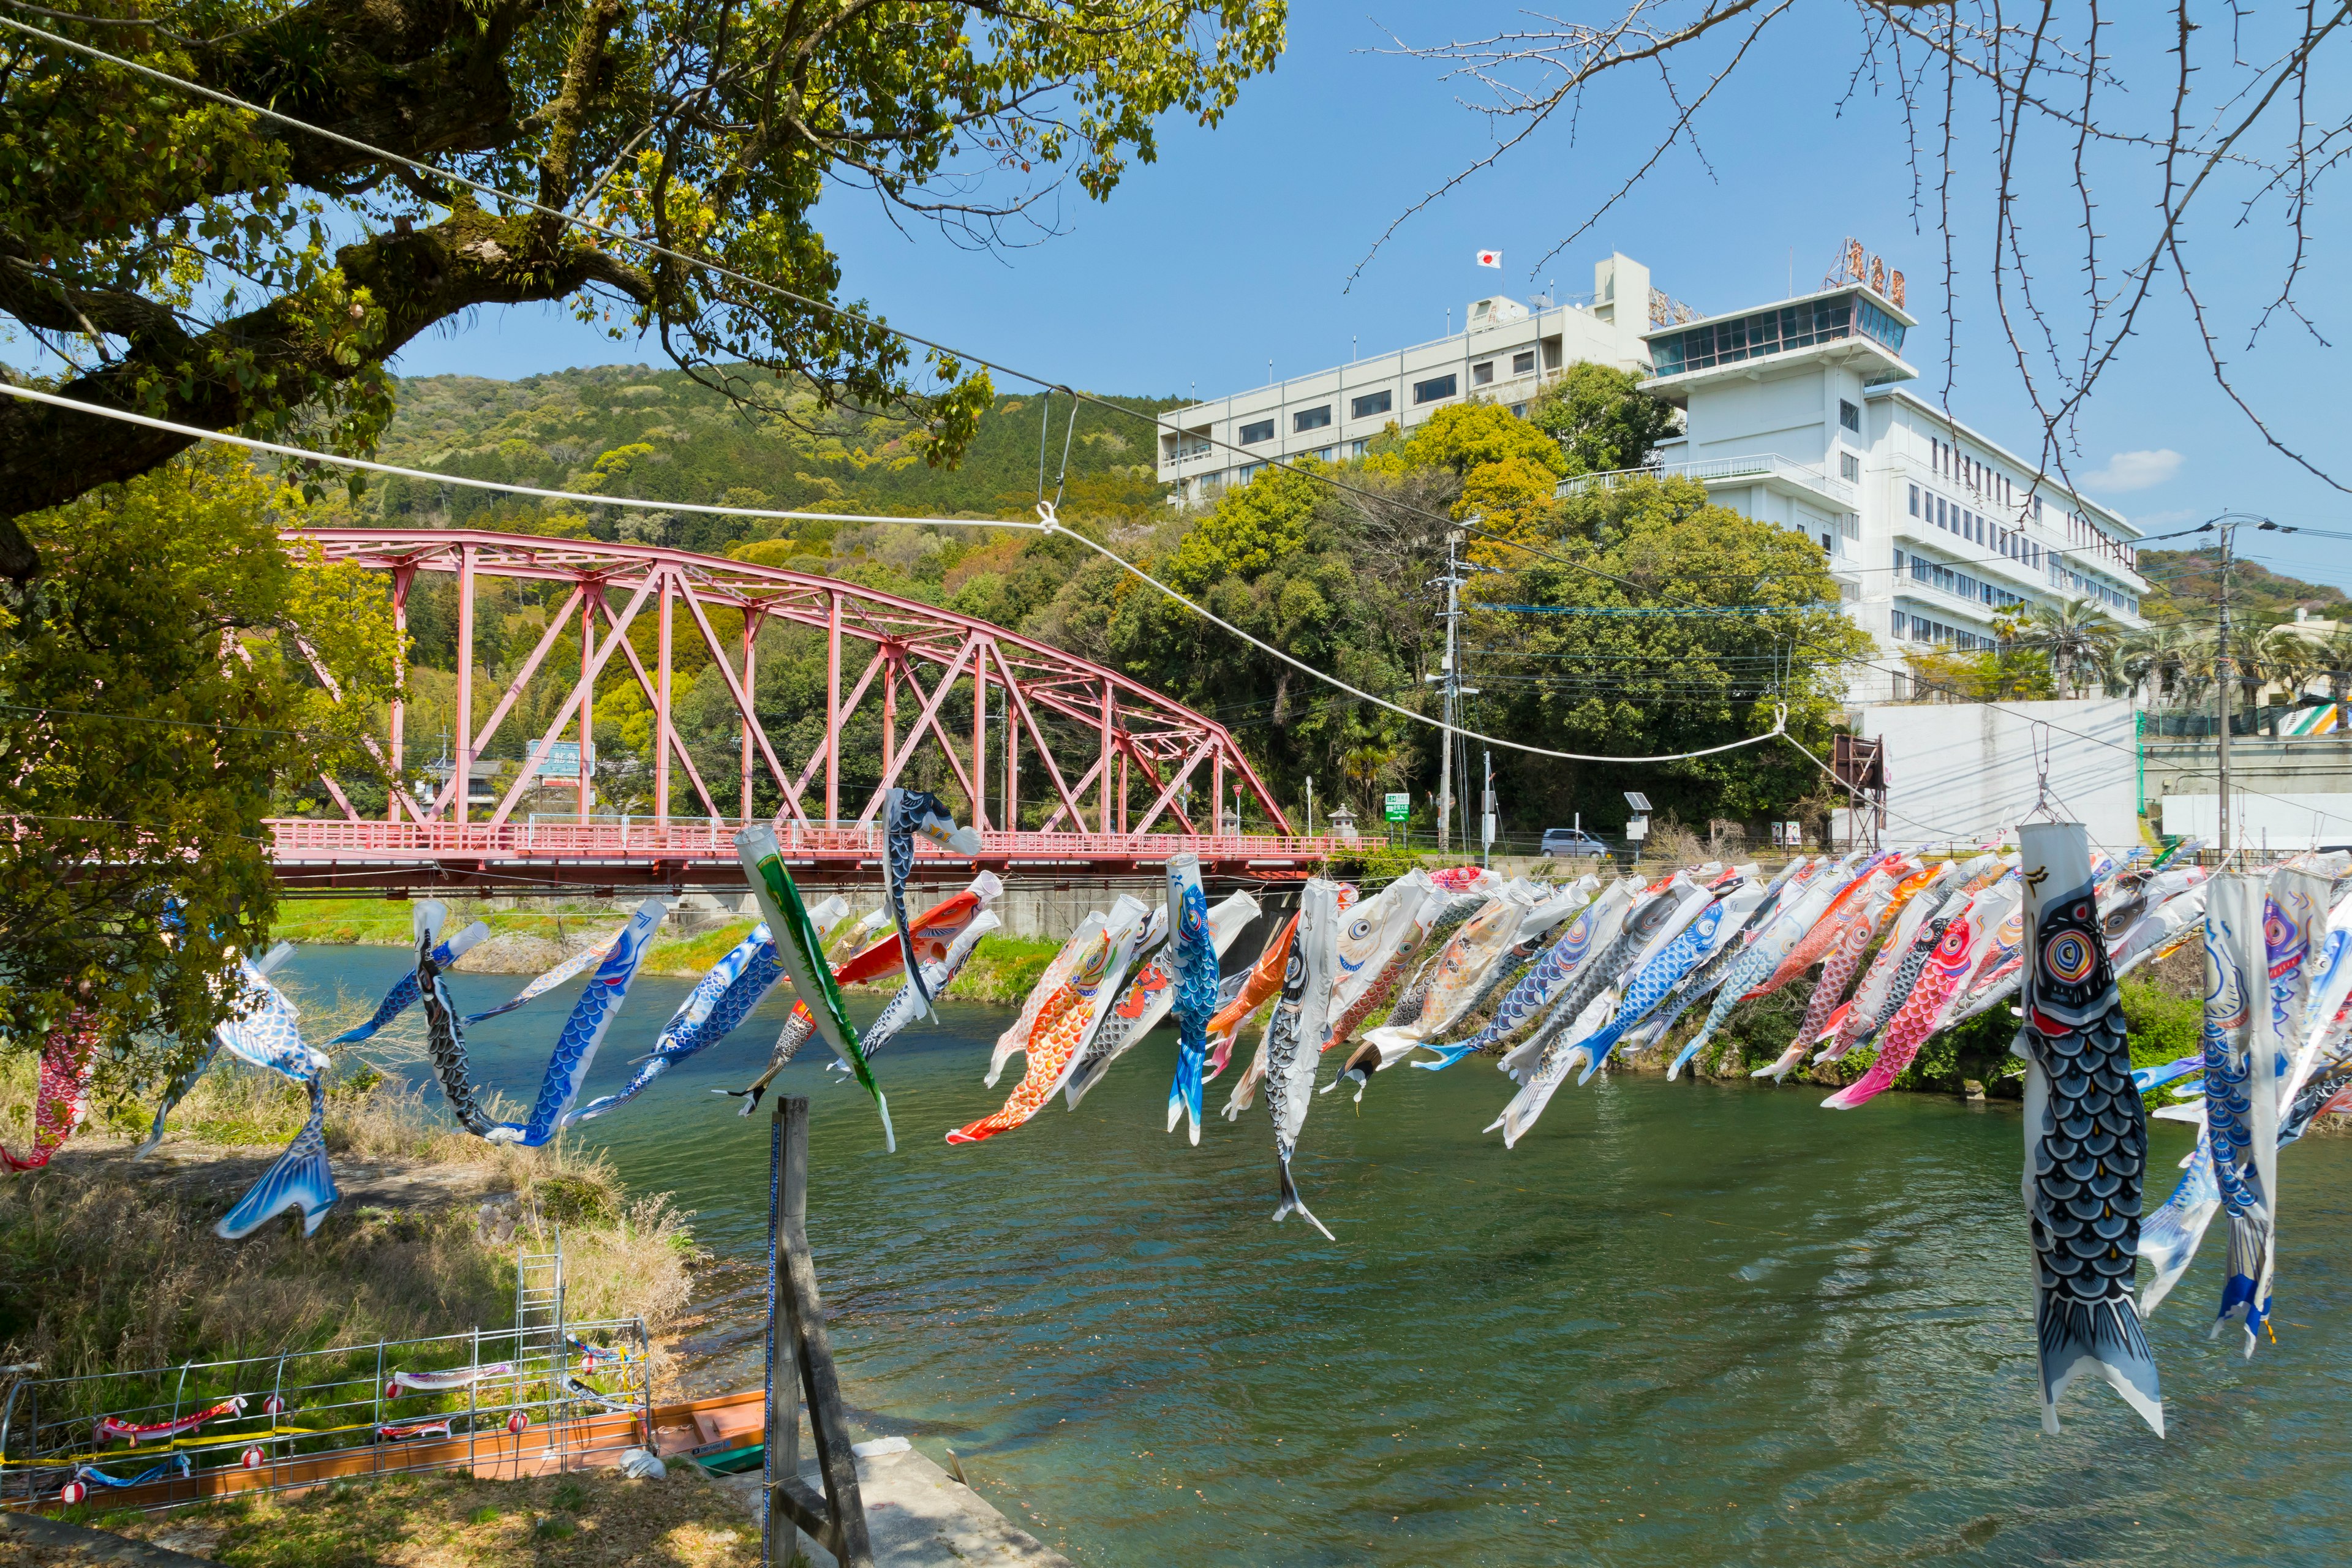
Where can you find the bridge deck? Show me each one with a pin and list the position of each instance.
(323, 856)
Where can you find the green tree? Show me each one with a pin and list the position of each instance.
(1601, 418)
(192, 260)
(160, 705)
(1683, 624)
(2079, 640)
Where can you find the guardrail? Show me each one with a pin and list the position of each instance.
(509, 1402)
(1758, 465)
(304, 839)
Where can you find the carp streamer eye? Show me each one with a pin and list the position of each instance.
(2069, 957)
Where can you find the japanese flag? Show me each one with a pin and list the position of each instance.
(1493, 259)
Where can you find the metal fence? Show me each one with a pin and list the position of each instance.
(542, 1397)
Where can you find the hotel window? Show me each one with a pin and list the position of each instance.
(1260, 431)
(1940, 513)
(1850, 467)
(1915, 500)
(1435, 388)
(1518, 411)
(1310, 419)
(1849, 416)
(1371, 402)
(1902, 627)
(1356, 448)
(1483, 373)
(1246, 472)
(1524, 363)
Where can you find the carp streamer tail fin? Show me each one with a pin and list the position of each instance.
(1184, 1096)
(1293, 1204)
(2245, 1290)
(298, 1179)
(1446, 1055)
(2103, 1337)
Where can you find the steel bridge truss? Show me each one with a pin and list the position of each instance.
(1117, 759)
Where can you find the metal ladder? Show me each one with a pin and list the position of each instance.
(539, 1329)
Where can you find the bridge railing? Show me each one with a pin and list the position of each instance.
(323, 838)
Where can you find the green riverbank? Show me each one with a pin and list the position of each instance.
(529, 941)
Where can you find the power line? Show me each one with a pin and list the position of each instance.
(656, 248)
(1048, 523)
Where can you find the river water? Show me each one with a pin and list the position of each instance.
(1679, 1324)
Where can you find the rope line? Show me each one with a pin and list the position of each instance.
(1048, 523)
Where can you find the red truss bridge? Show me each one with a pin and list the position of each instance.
(1117, 762)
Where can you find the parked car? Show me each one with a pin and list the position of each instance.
(1572, 843)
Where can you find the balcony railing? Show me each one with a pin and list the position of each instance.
(1716, 470)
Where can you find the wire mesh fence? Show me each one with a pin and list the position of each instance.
(542, 1397)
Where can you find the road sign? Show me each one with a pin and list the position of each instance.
(563, 761)
(1400, 807)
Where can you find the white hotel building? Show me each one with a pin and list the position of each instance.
(1797, 413)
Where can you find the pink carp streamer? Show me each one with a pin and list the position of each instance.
(1845, 911)
(1949, 964)
(61, 1097)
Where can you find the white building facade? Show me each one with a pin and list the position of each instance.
(1798, 413)
(1504, 354)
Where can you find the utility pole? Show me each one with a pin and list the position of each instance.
(1486, 818)
(1450, 678)
(2224, 677)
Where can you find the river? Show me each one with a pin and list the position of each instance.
(1679, 1324)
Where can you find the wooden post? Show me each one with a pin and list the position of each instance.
(800, 1360)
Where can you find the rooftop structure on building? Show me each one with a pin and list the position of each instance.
(1504, 353)
(1799, 412)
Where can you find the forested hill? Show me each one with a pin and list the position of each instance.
(632, 431)
(2186, 584)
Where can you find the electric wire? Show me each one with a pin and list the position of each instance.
(811, 302)
(1048, 523)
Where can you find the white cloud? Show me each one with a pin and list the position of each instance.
(2135, 470)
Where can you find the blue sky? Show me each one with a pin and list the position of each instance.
(1237, 249)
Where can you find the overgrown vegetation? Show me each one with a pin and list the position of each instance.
(109, 1263)
(157, 705)
(593, 1518)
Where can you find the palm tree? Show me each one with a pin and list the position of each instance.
(2165, 665)
(2334, 659)
(2080, 638)
(2290, 657)
(1369, 767)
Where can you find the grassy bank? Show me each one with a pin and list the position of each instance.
(527, 940)
(596, 1517)
(107, 1262)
